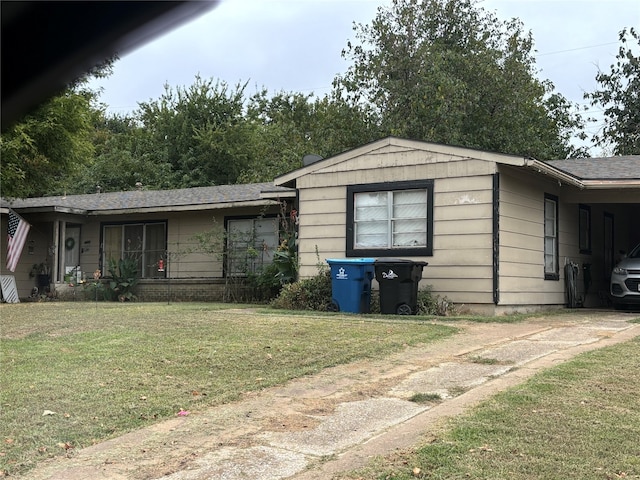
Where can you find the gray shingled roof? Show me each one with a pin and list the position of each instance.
(625, 167)
(150, 199)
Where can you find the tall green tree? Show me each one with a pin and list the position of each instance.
(42, 152)
(619, 98)
(289, 126)
(47, 145)
(448, 71)
(125, 155)
(201, 131)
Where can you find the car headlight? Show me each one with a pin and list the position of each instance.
(620, 271)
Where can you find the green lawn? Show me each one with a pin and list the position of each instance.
(579, 420)
(107, 368)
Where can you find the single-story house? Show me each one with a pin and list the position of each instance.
(73, 236)
(497, 231)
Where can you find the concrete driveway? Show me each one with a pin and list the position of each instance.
(317, 426)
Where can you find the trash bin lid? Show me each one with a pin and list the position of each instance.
(393, 260)
(351, 260)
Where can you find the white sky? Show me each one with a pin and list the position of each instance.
(295, 45)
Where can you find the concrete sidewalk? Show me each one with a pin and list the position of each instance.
(338, 420)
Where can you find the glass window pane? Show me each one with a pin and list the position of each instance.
(133, 237)
(250, 244)
(410, 233)
(155, 249)
(371, 234)
(112, 244)
(410, 204)
(371, 213)
(266, 241)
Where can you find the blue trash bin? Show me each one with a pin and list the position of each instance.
(351, 284)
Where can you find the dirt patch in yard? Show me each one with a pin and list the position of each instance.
(184, 446)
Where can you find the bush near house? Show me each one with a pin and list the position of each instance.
(315, 294)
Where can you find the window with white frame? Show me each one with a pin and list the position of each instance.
(251, 243)
(551, 263)
(385, 218)
(144, 242)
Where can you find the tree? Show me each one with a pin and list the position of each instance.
(125, 155)
(447, 71)
(619, 97)
(289, 126)
(201, 131)
(42, 151)
(52, 142)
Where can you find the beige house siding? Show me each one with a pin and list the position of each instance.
(35, 251)
(184, 263)
(521, 253)
(461, 265)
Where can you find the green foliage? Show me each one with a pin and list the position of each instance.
(201, 131)
(307, 294)
(430, 304)
(124, 278)
(285, 258)
(125, 154)
(619, 98)
(265, 284)
(292, 125)
(40, 152)
(448, 71)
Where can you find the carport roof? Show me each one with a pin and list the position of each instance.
(196, 198)
(625, 167)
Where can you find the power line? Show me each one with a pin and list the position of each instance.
(576, 49)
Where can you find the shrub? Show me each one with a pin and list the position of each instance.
(430, 304)
(124, 278)
(265, 284)
(307, 294)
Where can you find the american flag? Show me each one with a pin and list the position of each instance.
(17, 230)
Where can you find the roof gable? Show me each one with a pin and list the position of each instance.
(395, 145)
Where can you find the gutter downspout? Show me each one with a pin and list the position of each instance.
(496, 238)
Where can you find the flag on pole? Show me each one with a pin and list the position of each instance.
(17, 231)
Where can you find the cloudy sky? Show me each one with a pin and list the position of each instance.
(295, 45)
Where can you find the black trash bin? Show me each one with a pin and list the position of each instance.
(398, 280)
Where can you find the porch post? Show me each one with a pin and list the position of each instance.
(55, 262)
(60, 250)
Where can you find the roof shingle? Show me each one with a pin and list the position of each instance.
(149, 199)
(625, 167)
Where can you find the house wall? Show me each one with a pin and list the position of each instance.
(200, 272)
(185, 261)
(461, 268)
(35, 251)
(521, 248)
(521, 243)
(461, 265)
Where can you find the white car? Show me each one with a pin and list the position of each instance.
(625, 281)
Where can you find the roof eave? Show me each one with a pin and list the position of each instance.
(183, 208)
(546, 169)
(611, 184)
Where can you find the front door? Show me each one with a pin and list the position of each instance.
(72, 252)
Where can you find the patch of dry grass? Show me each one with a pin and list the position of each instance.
(103, 369)
(578, 420)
